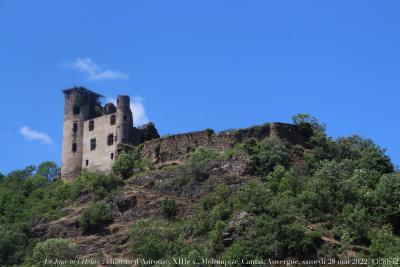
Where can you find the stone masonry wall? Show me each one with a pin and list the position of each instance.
(176, 147)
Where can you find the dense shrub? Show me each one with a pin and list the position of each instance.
(12, 246)
(152, 239)
(387, 197)
(384, 244)
(95, 217)
(202, 154)
(54, 249)
(277, 238)
(215, 206)
(169, 208)
(127, 163)
(363, 153)
(196, 163)
(98, 184)
(265, 155)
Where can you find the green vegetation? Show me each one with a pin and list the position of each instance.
(292, 200)
(129, 162)
(194, 172)
(95, 217)
(47, 252)
(156, 239)
(344, 189)
(98, 185)
(169, 208)
(264, 156)
(32, 196)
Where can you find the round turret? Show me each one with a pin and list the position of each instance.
(124, 119)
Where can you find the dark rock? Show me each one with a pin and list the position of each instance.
(124, 203)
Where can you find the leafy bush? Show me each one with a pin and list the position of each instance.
(253, 197)
(95, 217)
(264, 156)
(169, 208)
(196, 163)
(309, 125)
(54, 249)
(384, 244)
(12, 246)
(98, 184)
(127, 163)
(215, 206)
(202, 154)
(387, 197)
(364, 154)
(152, 239)
(278, 238)
(353, 224)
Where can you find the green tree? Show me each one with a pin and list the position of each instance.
(267, 154)
(327, 185)
(355, 224)
(152, 239)
(308, 124)
(364, 154)
(49, 170)
(12, 246)
(387, 197)
(383, 243)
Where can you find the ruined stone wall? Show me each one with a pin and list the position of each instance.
(177, 147)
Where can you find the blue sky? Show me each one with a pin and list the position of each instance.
(191, 65)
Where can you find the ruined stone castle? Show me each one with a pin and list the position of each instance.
(94, 134)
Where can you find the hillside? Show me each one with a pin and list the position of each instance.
(256, 200)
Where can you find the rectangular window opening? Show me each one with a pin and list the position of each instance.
(91, 125)
(112, 156)
(76, 110)
(73, 147)
(93, 144)
(87, 162)
(110, 140)
(75, 127)
(112, 120)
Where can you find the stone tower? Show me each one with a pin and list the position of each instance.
(80, 105)
(124, 120)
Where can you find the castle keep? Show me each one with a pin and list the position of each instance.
(92, 132)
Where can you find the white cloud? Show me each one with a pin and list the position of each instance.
(95, 72)
(33, 135)
(138, 111)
